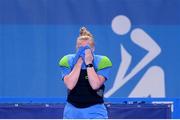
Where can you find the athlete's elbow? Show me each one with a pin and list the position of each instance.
(95, 87)
(69, 86)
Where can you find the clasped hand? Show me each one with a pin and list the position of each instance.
(84, 54)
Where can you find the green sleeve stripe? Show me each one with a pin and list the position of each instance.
(64, 62)
(104, 63)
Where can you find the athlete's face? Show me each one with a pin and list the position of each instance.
(84, 42)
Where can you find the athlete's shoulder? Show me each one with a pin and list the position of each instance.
(66, 60)
(102, 62)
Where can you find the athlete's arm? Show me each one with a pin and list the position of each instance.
(71, 79)
(95, 80)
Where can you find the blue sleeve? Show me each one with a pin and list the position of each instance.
(65, 65)
(104, 72)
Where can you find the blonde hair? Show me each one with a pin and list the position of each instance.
(84, 34)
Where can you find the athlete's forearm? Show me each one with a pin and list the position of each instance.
(71, 79)
(95, 80)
